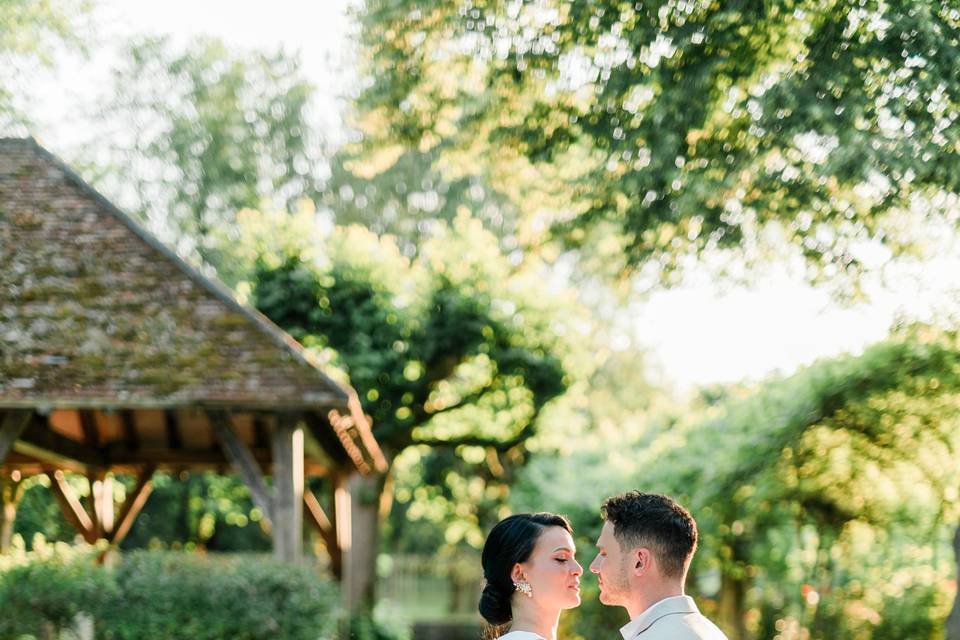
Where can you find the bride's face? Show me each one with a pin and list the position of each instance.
(552, 570)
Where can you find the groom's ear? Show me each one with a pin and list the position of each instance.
(641, 559)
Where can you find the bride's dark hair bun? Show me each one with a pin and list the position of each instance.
(495, 605)
(511, 541)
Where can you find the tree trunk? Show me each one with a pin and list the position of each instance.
(734, 583)
(732, 606)
(360, 561)
(953, 621)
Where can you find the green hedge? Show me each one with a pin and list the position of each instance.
(166, 596)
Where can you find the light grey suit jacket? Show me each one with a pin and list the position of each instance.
(674, 618)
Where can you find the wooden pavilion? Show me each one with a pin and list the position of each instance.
(118, 357)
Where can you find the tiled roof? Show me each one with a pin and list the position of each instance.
(95, 311)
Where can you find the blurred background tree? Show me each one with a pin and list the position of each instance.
(683, 127)
(454, 354)
(472, 259)
(200, 132)
(806, 492)
(31, 33)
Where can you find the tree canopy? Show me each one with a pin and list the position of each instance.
(683, 126)
(421, 340)
(454, 353)
(210, 131)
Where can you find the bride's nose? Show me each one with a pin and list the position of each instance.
(577, 569)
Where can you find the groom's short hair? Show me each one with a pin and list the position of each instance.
(656, 522)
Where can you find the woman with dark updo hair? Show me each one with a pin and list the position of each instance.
(531, 574)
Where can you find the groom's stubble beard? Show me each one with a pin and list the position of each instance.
(616, 589)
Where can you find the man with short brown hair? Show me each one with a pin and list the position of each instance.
(644, 553)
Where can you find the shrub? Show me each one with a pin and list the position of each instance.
(169, 596)
(45, 591)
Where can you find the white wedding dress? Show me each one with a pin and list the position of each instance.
(520, 635)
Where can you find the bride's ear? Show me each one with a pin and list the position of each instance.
(516, 574)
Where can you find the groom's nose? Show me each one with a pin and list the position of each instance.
(594, 568)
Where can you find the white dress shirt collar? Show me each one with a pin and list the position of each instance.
(666, 607)
(520, 635)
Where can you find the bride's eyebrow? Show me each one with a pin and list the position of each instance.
(563, 549)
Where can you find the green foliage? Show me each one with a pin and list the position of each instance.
(214, 131)
(407, 199)
(49, 588)
(423, 339)
(685, 127)
(199, 510)
(191, 511)
(917, 612)
(39, 513)
(168, 596)
(184, 596)
(826, 497)
(365, 625)
(454, 354)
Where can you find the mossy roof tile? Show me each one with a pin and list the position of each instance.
(95, 310)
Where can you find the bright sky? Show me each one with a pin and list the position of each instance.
(698, 334)
(317, 31)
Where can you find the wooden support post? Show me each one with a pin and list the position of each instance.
(343, 528)
(103, 504)
(341, 514)
(130, 435)
(13, 425)
(11, 492)
(70, 505)
(326, 528)
(242, 461)
(288, 490)
(133, 505)
(93, 479)
(174, 441)
(88, 422)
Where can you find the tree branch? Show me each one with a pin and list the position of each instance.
(478, 441)
(423, 415)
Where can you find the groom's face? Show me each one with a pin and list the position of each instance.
(610, 565)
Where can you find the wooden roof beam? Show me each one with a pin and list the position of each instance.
(13, 425)
(327, 530)
(242, 460)
(133, 505)
(70, 505)
(42, 443)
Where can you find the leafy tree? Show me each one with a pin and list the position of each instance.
(823, 483)
(209, 131)
(682, 126)
(30, 32)
(455, 354)
(408, 199)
